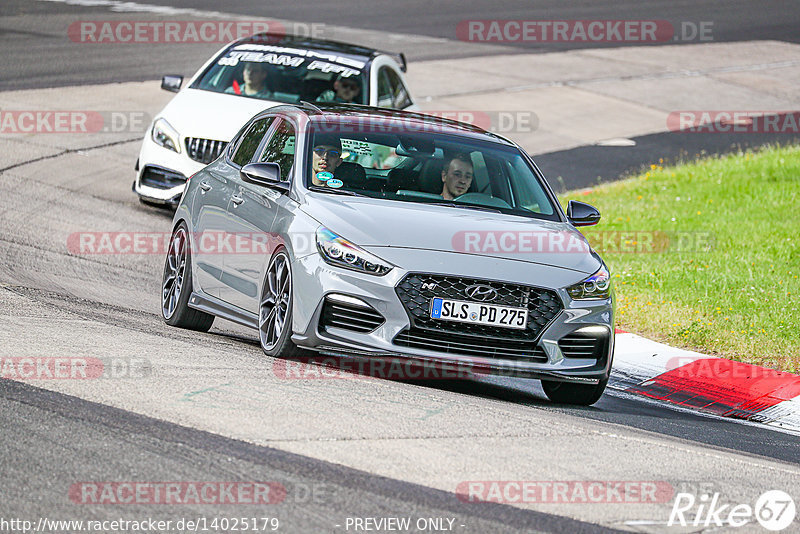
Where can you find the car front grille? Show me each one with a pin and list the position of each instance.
(161, 178)
(204, 150)
(469, 345)
(361, 319)
(416, 291)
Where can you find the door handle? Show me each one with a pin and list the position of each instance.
(205, 186)
(236, 200)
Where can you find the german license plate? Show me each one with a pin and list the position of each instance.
(478, 313)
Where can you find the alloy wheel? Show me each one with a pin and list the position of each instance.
(275, 300)
(174, 273)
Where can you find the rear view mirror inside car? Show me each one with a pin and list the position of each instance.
(415, 146)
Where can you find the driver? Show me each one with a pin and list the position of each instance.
(345, 90)
(456, 176)
(255, 81)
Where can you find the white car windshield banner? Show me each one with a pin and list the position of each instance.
(334, 58)
(333, 63)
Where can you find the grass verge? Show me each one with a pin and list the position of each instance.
(706, 255)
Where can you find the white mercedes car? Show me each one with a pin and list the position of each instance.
(244, 78)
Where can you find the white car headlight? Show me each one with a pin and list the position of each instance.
(342, 253)
(597, 286)
(165, 135)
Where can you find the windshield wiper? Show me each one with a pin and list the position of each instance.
(334, 191)
(467, 206)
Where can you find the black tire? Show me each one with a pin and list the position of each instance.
(275, 308)
(570, 393)
(175, 295)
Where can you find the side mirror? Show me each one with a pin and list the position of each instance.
(264, 174)
(172, 83)
(582, 214)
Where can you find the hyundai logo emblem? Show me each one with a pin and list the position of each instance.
(481, 292)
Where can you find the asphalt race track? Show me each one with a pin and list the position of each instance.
(212, 407)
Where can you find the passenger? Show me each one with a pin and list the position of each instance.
(255, 82)
(456, 176)
(326, 157)
(345, 91)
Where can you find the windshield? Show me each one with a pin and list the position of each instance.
(287, 75)
(425, 168)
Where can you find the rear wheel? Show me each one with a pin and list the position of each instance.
(275, 308)
(176, 287)
(569, 393)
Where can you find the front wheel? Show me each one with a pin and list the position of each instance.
(578, 394)
(275, 308)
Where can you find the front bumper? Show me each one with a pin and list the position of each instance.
(314, 279)
(161, 173)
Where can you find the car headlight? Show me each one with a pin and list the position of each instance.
(597, 286)
(342, 253)
(165, 135)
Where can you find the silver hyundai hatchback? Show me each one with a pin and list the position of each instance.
(367, 233)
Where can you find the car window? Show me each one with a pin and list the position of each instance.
(280, 149)
(392, 93)
(381, 160)
(531, 198)
(481, 173)
(250, 141)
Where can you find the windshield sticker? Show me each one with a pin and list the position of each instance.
(324, 66)
(360, 148)
(324, 176)
(347, 61)
(334, 183)
(356, 64)
(272, 48)
(234, 58)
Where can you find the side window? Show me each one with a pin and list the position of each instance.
(250, 141)
(280, 149)
(391, 91)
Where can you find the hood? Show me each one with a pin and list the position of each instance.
(196, 113)
(376, 224)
